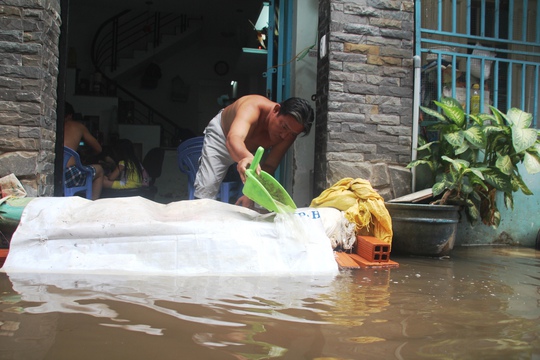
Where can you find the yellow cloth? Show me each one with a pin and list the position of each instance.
(361, 204)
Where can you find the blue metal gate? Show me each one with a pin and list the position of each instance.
(278, 73)
(493, 43)
(280, 29)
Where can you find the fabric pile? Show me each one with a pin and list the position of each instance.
(340, 231)
(361, 205)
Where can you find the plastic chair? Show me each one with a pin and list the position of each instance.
(188, 154)
(153, 163)
(87, 187)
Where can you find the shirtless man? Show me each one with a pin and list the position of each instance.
(237, 131)
(74, 132)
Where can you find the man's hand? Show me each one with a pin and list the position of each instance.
(244, 201)
(243, 165)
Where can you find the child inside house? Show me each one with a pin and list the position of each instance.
(129, 172)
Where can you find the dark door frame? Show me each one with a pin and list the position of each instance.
(60, 98)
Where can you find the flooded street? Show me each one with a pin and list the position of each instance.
(481, 303)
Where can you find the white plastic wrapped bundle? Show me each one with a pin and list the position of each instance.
(135, 235)
(339, 230)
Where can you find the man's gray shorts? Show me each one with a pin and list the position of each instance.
(214, 162)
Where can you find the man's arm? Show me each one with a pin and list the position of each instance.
(241, 126)
(90, 140)
(276, 154)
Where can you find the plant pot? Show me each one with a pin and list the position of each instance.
(423, 229)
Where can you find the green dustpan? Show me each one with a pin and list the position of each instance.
(265, 190)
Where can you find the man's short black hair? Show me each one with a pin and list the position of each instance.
(301, 110)
(68, 109)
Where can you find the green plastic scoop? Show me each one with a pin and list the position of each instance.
(265, 190)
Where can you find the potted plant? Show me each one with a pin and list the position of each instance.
(473, 156)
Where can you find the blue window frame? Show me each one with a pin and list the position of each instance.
(493, 43)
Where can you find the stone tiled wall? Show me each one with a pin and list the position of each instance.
(365, 87)
(321, 110)
(29, 35)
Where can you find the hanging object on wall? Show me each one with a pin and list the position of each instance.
(221, 68)
(322, 47)
(261, 38)
(179, 90)
(223, 100)
(261, 26)
(151, 76)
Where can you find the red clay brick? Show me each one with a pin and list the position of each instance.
(344, 261)
(372, 249)
(364, 264)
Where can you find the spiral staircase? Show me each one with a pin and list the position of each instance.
(127, 44)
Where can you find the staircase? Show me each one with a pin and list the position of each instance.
(126, 44)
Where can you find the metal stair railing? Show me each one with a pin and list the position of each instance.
(120, 35)
(143, 114)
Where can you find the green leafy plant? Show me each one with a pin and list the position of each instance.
(472, 157)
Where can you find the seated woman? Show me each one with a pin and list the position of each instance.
(129, 172)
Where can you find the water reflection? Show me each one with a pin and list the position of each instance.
(480, 303)
(237, 309)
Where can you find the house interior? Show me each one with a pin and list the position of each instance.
(156, 72)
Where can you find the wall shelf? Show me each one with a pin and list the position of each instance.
(255, 51)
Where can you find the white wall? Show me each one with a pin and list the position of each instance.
(195, 66)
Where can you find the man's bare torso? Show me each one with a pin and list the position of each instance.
(72, 134)
(254, 111)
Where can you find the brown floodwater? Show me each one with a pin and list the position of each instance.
(481, 303)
